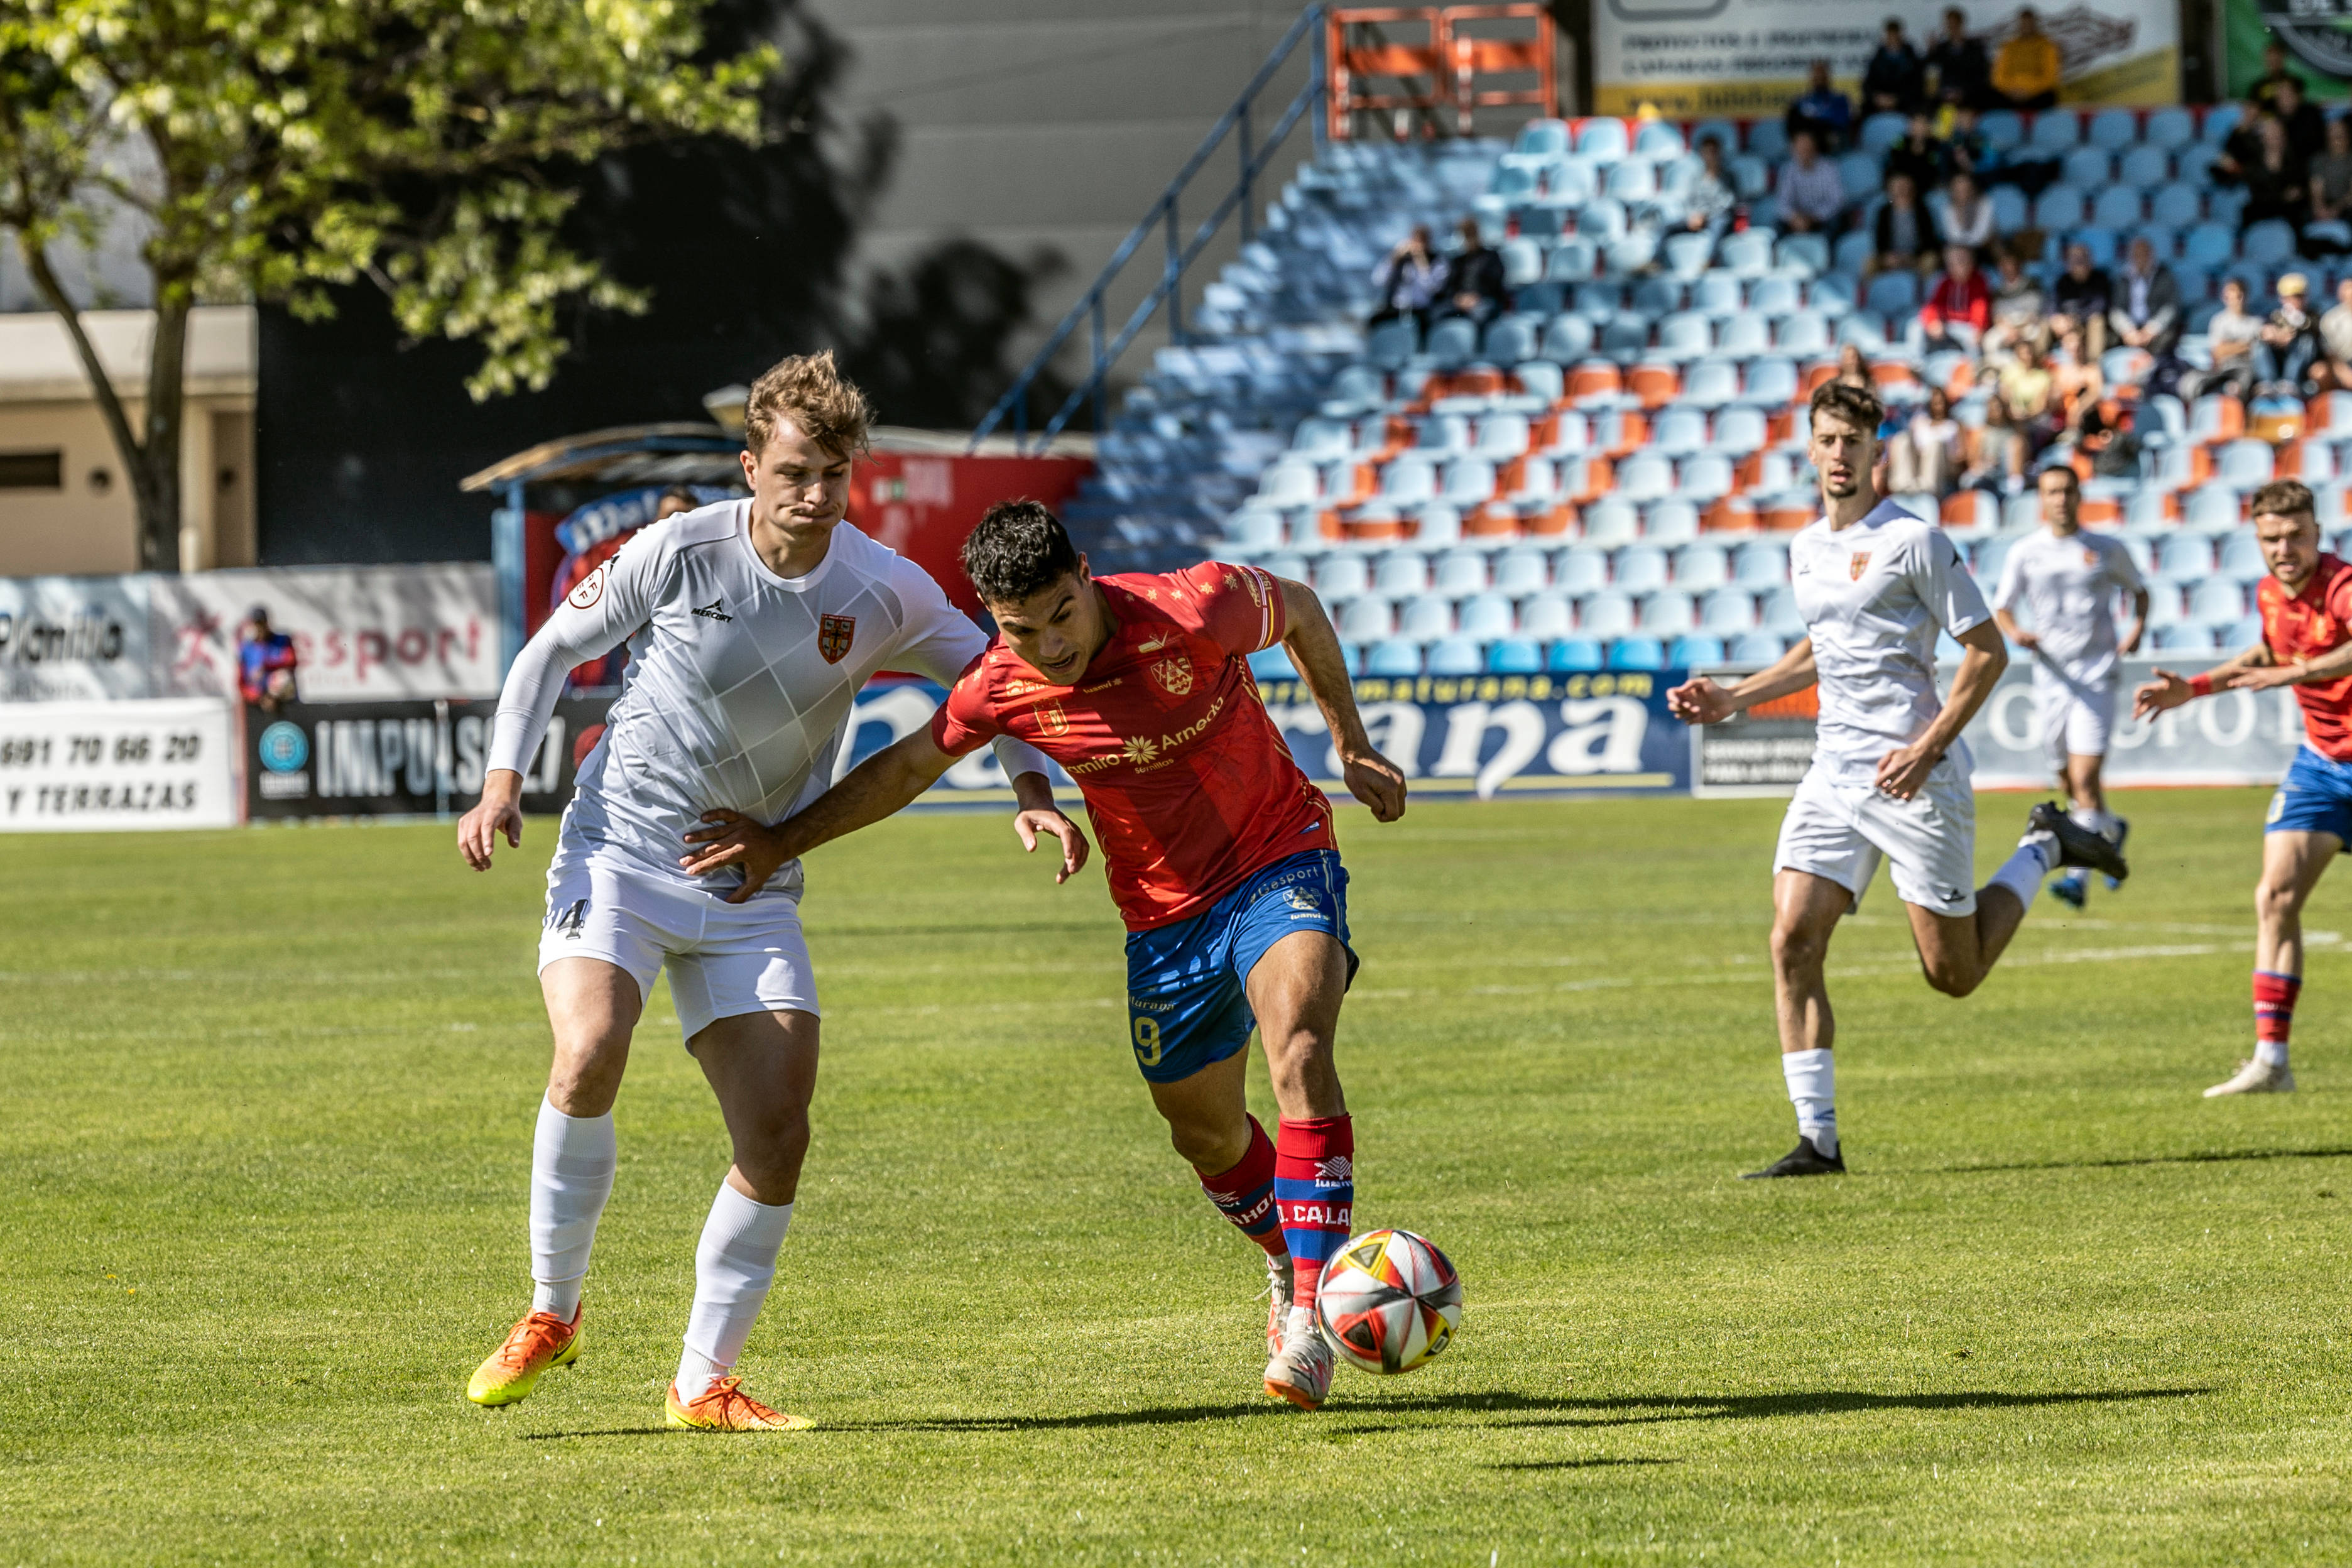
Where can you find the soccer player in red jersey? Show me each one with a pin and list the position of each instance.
(2307, 609)
(1220, 854)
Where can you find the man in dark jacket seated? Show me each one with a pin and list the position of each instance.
(1473, 280)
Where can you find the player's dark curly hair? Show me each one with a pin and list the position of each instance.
(1019, 549)
(1855, 404)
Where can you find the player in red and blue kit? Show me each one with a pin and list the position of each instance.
(2307, 610)
(265, 662)
(1220, 853)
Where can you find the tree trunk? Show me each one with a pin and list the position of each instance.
(159, 493)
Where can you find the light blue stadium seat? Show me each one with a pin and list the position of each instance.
(2184, 557)
(1860, 173)
(2145, 168)
(1892, 291)
(1457, 656)
(1805, 332)
(2268, 243)
(1582, 570)
(1637, 653)
(1397, 658)
(1600, 300)
(1571, 433)
(2098, 238)
(2217, 602)
(1453, 343)
(2219, 121)
(2088, 168)
(1603, 137)
(1728, 612)
(1486, 616)
(2055, 131)
(1709, 384)
(2113, 129)
(2118, 207)
(1659, 140)
(1607, 613)
(2060, 207)
(1768, 381)
(1341, 577)
(1694, 650)
(1367, 620)
(1501, 436)
(1751, 177)
(1633, 181)
(1706, 477)
(1744, 336)
(2002, 129)
(1523, 262)
(2193, 165)
(1719, 294)
(1567, 339)
(1866, 329)
(1520, 571)
(2184, 636)
(1515, 656)
(1544, 617)
(2171, 129)
(1254, 530)
(1769, 139)
(1273, 664)
(1746, 255)
(1670, 523)
(1515, 182)
(2245, 465)
(1685, 336)
(1401, 574)
(1775, 297)
(1641, 569)
(1853, 250)
(1678, 431)
(2241, 559)
(1290, 481)
(1409, 480)
(1574, 656)
(1724, 131)
(1573, 260)
(2245, 633)
(1755, 647)
(1509, 339)
(1442, 434)
(2211, 509)
(1624, 338)
(1761, 564)
(1541, 378)
(1610, 522)
(1439, 525)
(1459, 573)
(1687, 253)
(1634, 252)
(2210, 244)
(1833, 294)
(1467, 482)
(1700, 568)
(2009, 210)
(1740, 432)
(1645, 476)
(1545, 220)
(1781, 613)
(1806, 253)
(1545, 138)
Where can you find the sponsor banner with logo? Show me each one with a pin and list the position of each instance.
(1747, 59)
(73, 639)
(400, 759)
(361, 633)
(2233, 738)
(82, 767)
(2318, 45)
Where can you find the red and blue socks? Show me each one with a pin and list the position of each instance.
(2274, 996)
(1315, 1193)
(1245, 1193)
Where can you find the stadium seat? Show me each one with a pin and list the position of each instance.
(1645, 476)
(1890, 292)
(1604, 221)
(2184, 636)
(1515, 656)
(2058, 208)
(1709, 384)
(1761, 564)
(1486, 616)
(1457, 656)
(2245, 465)
(1567, 338)
(1768, 382)
(2145, 168)
(1685, 336)
(1367, 620)
(1500, 436)
(1545, 616)
(1607, 613)
(1453, 343)
(1582, 570)
(2241, 559)
(2212, 509)
(1697, 568)
(2113, 129)
(1272, 664)
(1879, 132)
(1624, 339)
(2171, 129)
(1755, 647)
(1520, 572)
(1641, 569)
(1573, 656)
(1401, 574)
(2217, 602)
(2117, 208)
(1744, 337)
(1807, 254)
(2267, 243)
(2184, 557)
(1575, 259)
(1409, 480)
(1391, 658)
(1740, 432)
(1769, 139)
(1603, 137)
(1695, 651)
(1542, 138)
(2087, 168)
(1687, 255)
(1705, 476)
(1610, 522)
(1728, 612)
(1806, 332)
(2219, 121)
(1781, 613)
(1439, 525)
(2055, 131)
(1747, 254)
(1833, 294)
(2002, 130)
(1467, 482)
(1676, 432)
(1633, 181)
(1637, 653)
(1541, 378)
(1510, 340)
(1391, 343)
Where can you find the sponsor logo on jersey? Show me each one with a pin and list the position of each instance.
(1104, 685)
(1859, 564)
(1021, 686)
(1053, 720)
(712, 612)
(1153, 646)
(1949, 895)
(589, 589)
(1142, 748)
(834, 635)
(1175, 674)
(1301, 899)
(1336, 1172)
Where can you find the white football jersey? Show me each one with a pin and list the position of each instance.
(742, 687)
(1874, 595)
(2069, 585)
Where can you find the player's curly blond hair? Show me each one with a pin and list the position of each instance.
(810, 391)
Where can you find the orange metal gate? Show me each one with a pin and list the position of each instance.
(1439, 64)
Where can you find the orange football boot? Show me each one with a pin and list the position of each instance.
(539, 1342)
(725, 1407)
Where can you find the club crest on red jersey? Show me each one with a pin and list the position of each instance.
(1859, 564)
(1175, 674)
(1053, 720)
(834, 635)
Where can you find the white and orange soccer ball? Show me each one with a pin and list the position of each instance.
(1389, 1301)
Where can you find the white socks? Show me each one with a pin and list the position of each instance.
(571, 1163)
(2270, 1053)
(2021, 873)
(733, 1268)
(1812, 1089)
(2101, 823)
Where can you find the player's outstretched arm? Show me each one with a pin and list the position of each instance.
(2170, 690)
(875, 788)
(500, 811)
(1702, 702)
(2333, 665)
(1984, 657)
(1314, 648)
(2131, 642)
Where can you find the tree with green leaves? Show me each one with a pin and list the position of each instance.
(276, 149)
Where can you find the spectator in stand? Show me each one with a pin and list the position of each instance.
(2018, 306)
(2336, 338)
(2025, 73)
(1408, 278)
(1823, 111)
(1924, 458)
(1968, 216)
(2306, 128)
(2114, 450)
(1708, 204)
(265, 662)
(1895, 80)
(2278, 183)
(1811, 194)
(2026, 385)
(2288, 343)
(1852, 369)
(2232, 334)
(2331, 177)
(2265, 88)
(2242, 147)
(1966, 150)
(1474, 280)
(1958, 307)
(1903, 236)
(1920, 156)
(2147, 311)
(2074, 376)
(2080, 300)
(1957, 62)
(1994, 454)
(673, 500)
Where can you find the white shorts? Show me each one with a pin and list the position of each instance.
(1840, 830)
(725, 960)
(2077, 716)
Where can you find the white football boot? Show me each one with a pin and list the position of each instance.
(1300, 1370)
(1281, 1275)
(2256, 1077)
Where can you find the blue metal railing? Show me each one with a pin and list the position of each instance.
(1241, 197)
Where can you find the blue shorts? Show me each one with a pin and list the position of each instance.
(2315, 796)
(1186, 1003)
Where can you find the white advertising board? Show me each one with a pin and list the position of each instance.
(66, 639)
(361, 633)
(1747, 58)
(83, 767)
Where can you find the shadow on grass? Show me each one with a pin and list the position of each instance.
(1625, 1410)
(610, 1432)
(2214, 1158)
(1574, 1464)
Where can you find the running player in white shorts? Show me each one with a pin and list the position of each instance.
(757, 621)
(1890, 772)
(2069, 580)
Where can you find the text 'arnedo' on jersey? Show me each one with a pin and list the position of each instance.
(1189, 783)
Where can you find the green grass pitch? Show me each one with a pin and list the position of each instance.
(266, 1104)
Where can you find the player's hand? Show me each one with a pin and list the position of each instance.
(479, 829)
(2166, 690)
(1048, 819)
(1903, 771)
(2025, 639)
(731, 838)
(1376, 782)
(2262, 678)
(1700, 702)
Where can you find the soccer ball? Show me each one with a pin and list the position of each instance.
(1389, 1301)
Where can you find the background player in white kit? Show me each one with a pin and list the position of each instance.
(762, 619)
(1890, 772)
(2069, 580)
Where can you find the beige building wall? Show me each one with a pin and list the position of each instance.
(87, 521)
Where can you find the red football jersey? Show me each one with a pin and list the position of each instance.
(1187, 783)
(2304, 626)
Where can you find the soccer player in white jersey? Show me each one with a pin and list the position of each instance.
(760, 618)
(1890, 772)
(2069, 581)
